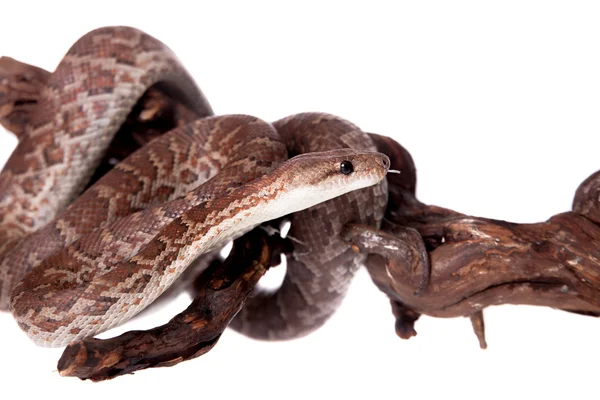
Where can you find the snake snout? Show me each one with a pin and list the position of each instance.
(385, 160)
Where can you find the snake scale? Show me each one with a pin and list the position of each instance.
(74, 264)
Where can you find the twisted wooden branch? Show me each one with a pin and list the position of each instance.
(473, 262)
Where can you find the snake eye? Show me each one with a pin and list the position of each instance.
(346, 167)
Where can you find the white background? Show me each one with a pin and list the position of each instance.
(497, 101)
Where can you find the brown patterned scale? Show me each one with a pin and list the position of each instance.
(100, 260)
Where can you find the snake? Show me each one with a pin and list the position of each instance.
(78, 258)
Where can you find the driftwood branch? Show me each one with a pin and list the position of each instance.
(473, 262)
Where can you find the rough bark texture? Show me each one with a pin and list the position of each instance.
(473, 262)
(221, 292)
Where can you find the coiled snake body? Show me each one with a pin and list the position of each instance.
(70, 269)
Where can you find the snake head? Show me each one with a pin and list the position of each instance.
(325, 175)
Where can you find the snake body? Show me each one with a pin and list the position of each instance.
(80, 109)
(88, 266)
(322, 266)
